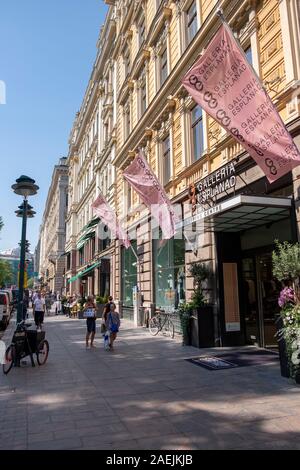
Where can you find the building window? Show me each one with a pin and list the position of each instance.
(129, 197)
(93, 246)
(104, 237)
(163, 66)
(127, 62)
(142, 31)
(248, 53)
(68, 261)
(166, 160)
(142, 93)
(129, 275)
(81, 256)
(127, 121)
(197, 132)
(143, 98)
(169, 272)
(192, 23)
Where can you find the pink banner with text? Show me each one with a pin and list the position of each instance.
(102, 209)
(140, 176)
(223, 83)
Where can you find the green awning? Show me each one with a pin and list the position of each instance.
(73, 279)
(93, 222)
(80, 244)
(84, 272)
(82, 240)
(89, 269)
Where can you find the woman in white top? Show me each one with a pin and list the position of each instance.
(58, 304)
(39, 310)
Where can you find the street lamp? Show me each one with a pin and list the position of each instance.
(24, 187)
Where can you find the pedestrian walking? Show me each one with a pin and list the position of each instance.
(25, 305)
(39, 311)
(34, 297)
(107, 306)
(112, 325)
(89, 312)
(48, 304)
(105, 332)
(58, 305)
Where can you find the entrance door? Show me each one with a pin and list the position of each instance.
(268, 293)
(261, 292)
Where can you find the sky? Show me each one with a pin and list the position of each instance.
(47, 51)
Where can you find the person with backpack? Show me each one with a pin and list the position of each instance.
(112, 324)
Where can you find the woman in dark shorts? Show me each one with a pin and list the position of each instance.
(89, 312)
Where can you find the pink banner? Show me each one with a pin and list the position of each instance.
(223, 83)
(140, 176)
(102, 209)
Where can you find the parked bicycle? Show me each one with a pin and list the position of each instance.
(25, 343)
(162, 322)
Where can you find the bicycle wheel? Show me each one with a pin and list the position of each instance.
(171, 329)
(42, 352)
(9, 359)
(154, 325)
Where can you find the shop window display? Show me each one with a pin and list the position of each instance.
(129, 277)
(169, 273)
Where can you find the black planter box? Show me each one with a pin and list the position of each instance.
(283, 357)
(202, 327)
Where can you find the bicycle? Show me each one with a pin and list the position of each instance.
(26, 342)
(161, 322)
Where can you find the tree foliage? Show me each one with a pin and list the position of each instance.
(286, 261)
(201, 273)
(30, 283)
(6, 274)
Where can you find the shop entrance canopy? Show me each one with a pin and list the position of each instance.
(240, 213)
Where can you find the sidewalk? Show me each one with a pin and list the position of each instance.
(142, 396)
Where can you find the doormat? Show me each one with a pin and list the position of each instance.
(211, 363)
(236, 359)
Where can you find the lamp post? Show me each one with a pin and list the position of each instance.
(25, 187)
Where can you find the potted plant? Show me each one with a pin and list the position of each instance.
(100, 304)
(286, 268)
(202, 320)
(185, 312)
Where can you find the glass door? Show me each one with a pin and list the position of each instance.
(268, 293)
(250, 309)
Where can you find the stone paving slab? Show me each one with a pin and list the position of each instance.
(142, 396)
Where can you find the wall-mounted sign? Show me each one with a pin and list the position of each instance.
(231, 297)
(216, 183)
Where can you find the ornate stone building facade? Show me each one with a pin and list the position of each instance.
(51, 247)
(92, 151)
(145, 49)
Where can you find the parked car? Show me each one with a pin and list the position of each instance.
(15, 294)
(4, 310)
